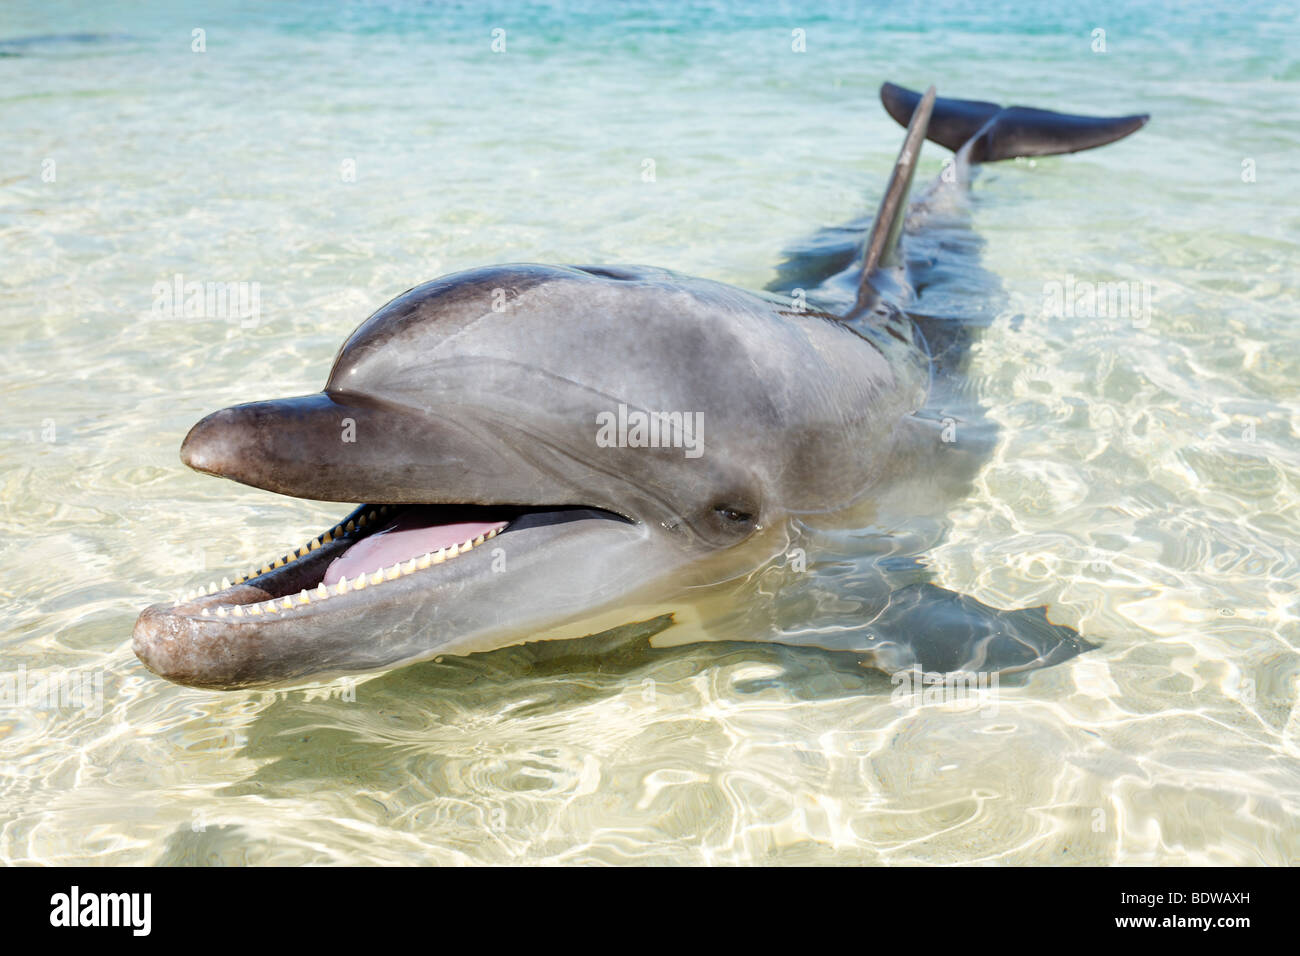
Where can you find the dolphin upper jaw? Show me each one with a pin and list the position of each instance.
(330, 447)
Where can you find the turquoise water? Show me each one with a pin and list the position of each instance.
(1144, 485)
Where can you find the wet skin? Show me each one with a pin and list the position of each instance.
(466, 414)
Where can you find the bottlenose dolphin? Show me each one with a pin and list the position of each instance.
(549, 451)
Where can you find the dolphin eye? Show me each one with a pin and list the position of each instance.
(733, 514)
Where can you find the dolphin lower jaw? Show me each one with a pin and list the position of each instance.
(290, 619)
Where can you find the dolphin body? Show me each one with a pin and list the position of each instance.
(545, 452)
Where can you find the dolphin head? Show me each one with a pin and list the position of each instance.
(532, 445)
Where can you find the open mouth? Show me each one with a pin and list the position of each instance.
(399, 579)
(370, 548)
(389, 583)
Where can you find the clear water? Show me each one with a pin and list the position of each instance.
(1144, 485)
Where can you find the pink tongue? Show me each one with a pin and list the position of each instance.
(408, 536)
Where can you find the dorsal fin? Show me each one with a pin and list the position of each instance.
(883, 239)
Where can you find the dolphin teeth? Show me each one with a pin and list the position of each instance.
(453, 551)
(480, 539)
(354, 524)
(204, 612)
(439, 556)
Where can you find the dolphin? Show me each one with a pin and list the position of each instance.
(546, 452)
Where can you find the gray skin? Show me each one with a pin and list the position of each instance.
(445, 398)
(483, 389)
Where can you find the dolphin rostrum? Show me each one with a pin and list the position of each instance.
(548, 451)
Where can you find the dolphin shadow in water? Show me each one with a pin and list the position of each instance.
(549, 452)
(392, 730)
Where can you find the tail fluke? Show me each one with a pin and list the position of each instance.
(1005, 133)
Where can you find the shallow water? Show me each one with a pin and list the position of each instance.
(1144, 485)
